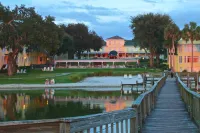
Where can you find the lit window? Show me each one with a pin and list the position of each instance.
(195, 59)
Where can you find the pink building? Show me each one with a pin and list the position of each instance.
(124, 49)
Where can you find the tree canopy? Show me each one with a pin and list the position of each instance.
(191, 32)
(22, 27)
(148, 31)
(84, 40)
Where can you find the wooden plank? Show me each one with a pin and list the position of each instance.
(169, 114)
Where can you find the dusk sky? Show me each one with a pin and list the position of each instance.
(111, 17)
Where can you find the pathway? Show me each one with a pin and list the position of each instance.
(169, 115)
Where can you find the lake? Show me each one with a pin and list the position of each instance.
(41, 104)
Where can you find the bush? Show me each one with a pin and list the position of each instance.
(103, 73)
(163, 66)
(184, 70)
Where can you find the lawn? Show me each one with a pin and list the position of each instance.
(69, 75)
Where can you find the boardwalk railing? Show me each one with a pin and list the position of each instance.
(146, 102)
(190, 79)
(191, 99)
(122, 121)
(103, 122)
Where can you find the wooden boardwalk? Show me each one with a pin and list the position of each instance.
(169, 115)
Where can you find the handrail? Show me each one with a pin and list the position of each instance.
(146, 102)
(191, 99)
(102, 121)
(129, 119)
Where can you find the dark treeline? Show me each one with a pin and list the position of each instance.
(24, 27)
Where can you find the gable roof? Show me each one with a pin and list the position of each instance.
(115, 37)
(129, 43)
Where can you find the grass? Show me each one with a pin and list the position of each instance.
(61, 76)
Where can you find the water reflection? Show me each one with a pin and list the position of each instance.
(46, 106)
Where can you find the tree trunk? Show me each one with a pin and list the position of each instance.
(157, 60)
(192, 57)
(70, 55)
(173, 55)
(151, 60)
(12, 66)
(169, 58)
(79, 54)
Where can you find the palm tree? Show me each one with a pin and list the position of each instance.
(172, 33)
(191, 32)
(168, 45)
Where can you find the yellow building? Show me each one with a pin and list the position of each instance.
(183, 58)
(23, 59)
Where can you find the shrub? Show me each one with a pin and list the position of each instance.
(184, 70)
(163, 66)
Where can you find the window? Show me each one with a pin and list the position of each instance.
(180, 59)
(40, 59)
(185, 59)
(195, 59)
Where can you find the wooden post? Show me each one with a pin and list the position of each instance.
(112, 131)
(197, 87)
(122, 90)
(132, 89)
(64, 128)
(117, 127)
(106, 128)
(187, 79)
(144, 82)
(66, 64)
(126, 125)
(153, 80)
(133, 125)
(122, 126)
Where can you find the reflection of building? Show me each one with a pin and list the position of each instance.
(24, 59)
(183, 58)
(1, 108)
(22, 102)
(119, 105)
(3, 103)
(102, 102)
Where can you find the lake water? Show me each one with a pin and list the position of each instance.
(34, 105)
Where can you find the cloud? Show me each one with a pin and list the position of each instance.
(112, 17)
(108, 19)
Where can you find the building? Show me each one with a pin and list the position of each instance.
(124, 49)
(23, 59)
(183, 58)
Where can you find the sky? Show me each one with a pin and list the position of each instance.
(111, 17)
